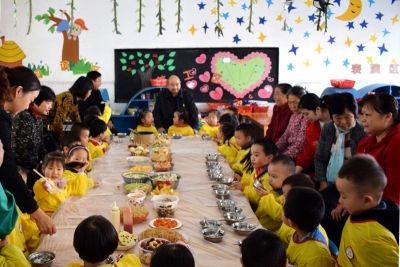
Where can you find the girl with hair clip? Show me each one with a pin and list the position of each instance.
(51, 191)
(144, 122)
(173, 255)
(95, 239)
(225, 132)
(77, 164)
(315, 111)
(181, 126)
(292, 141)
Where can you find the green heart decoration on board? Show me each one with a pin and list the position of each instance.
(241, 76)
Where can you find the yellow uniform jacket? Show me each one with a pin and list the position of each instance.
(237, 166)
(247, 178)
(183, 130)
(285, 233)
(97, 149)
(251, 193)
(210, 130)
(141, 128)
(129, 260)
(106, 117)
(228, 151)
(11, 256)
(269, 211)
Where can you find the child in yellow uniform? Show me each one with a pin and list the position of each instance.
(46, 194)
(10, 254)
(181, 126)
(262, 152)
(285, 232)
(177, 254)
(97, 145)
(229, 118)
(225, 132)
(82, 131)
(67, 142)
(370, 236)
(211, 126)
(269, 211)
(77, 162)
(95, 111)
(95, 238)
(144, 122)
(303, 211)
(244, 135)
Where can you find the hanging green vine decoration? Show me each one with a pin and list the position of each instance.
(141, 16)
(218, 26)
(178, 13)
(30, 17)
(160, 18)
(250, 17)
(72, 14)
(325, 14)
(114, 10)
(15, 14)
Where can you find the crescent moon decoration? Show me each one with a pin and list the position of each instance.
(353, 11)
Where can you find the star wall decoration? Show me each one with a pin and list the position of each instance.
(369, 59)
(236, 39)
(306, 34)
(293, 49)
(308, 3)
(346, 63)
(192, 29)
(262, 37)
(348, 41)
(291, 7)
(329, 13)
(318, 49)
(373, 38)
(337, 2)
(240, 21)
(350, 25)
(327, 62)
(395, 19)
(298, 20)
(262, 20)
(394, 1)
(290, 67)
(360, 47)
(279, 17)
(385, 32)
(307, 63)
(232, 3)
(244, 6)
(201, 6)
(290, 30)
(382, 48)
(269, 2)
(205, 27)
(371, 2)
(331, 39)
(312, 17)
(364, 24)
(225, 15)
(379, 16)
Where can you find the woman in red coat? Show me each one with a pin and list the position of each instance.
(380, 118)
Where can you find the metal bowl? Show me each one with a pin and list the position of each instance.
(220, 187)
(157, 178)
(41, 259)
(213, 164)
(242, 228)
(225, 202)
(232, 217)
(135, 177)
(258, 184)
(210, 224)
(121, 135)
(138, 160)
(226, 194)
(177, 136)
(224, 180)
(214, 235)
(231, 208)
(212, 157)
(214, 168)
(214, 177)
(207, 137)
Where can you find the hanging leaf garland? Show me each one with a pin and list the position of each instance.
(114, 10)
(141, 16)
(72, 14)
(160, 18)
(251, 12)
(15, 14)
(29, 16)
(320, 13)
(218, 26)
(178, 13)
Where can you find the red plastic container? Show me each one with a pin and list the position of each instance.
(158, 82)
(343, 83)
(258, 109)
(218, 105)
(244, 109)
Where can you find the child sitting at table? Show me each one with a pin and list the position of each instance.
(144, 122)
(211, 126)
(370, 236)
(173, 255)
(225, 133)
(181, 125)
(244, 133)
(10, 254)
(106, 116)
(51, 191)
(263, 248)
(68, 141)
(234, 111)
(95, 239)
(303, 211)
(285, 233)
(97, 144)
(229, 118)
(82, 131)
(269, 211)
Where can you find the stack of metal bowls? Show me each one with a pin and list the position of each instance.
(214, 169)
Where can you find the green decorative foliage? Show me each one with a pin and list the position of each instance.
(30, 16)
(146, 55)
(160, 19)
(141, 16)
(80, 67)
(218, 26)
(114, 20)
(44, 69)
(130, 56)
(251, 12)
(178, 14)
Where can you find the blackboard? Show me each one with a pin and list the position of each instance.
(211, 74)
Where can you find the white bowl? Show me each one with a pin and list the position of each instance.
(137, 160)
(165, 201)
(112, 184)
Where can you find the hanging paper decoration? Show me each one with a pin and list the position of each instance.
(286, 4)
(141, 16)
(114, 10)
(251, 16)
(178, 13)
(15, 13)
(218, 26)
(71, 15)
(322, 9)
(160, 18)
(30, 17)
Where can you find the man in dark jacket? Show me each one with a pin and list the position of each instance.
(171, 100)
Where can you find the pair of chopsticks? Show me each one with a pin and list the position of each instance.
(47, 179)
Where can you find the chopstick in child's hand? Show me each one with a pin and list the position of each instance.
(38, 173)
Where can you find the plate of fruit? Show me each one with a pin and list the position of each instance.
(126, 240)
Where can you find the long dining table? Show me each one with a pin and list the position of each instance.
(196, 201)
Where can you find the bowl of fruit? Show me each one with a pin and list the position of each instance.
(148, 246)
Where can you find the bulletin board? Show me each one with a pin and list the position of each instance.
(211, 74)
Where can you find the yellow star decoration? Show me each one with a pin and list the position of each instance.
(232, 3)
(395, 19)
(214, 11)
(373, 38)
(369, 59)
(348, 41)
(192, 29)
(298, 20)
(262, 37)
(307, 63)
(393, 61)
(256, 1)
(279, 18)
(319, 48)
(308, 3)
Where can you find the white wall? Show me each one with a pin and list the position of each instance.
(98, 43)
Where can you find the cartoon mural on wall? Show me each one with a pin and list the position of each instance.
(11, 55)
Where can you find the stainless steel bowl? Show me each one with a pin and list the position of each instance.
(207, 137)
(157, 176)
(242, 228)
(177, 136)
(258, 184)
(41, 259)
(214, 235)
(220, 187)
(232, 217)
(224, 180)
(212, 163)
(225, 194)
(231, 208)
(214, 177)
(212, 157)
(225, 202)
(210, 224)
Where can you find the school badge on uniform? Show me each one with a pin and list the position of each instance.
(349, 253)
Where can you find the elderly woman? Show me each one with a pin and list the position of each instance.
(380, 118)
(18, 88)
(66, 105)
(338, 142)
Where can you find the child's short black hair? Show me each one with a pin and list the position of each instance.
(92, 111)
(69, 139)
(229, 118)
(235, 112)
(305, 207)
(93, 75)
(263, 248)
(299, 180)
(215, 112)
(97, 127)
(139, 115)
(246, 128)
(269, 148)
(78, 127)
(46, 94)
(228, 130)
(90, 119)
(366, 175)
(286, 161)
(175, 255)
(95, 238)
(183, 115)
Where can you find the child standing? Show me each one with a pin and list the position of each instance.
(82, 131)
(181, 125)
(269, 211)
(371, 234)
(303, 211)
(49, 198)
(225, 133)
(95, 239)
(244, 135)
(292, 141)
(211, 126)
(144, 122)
(97, 145)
